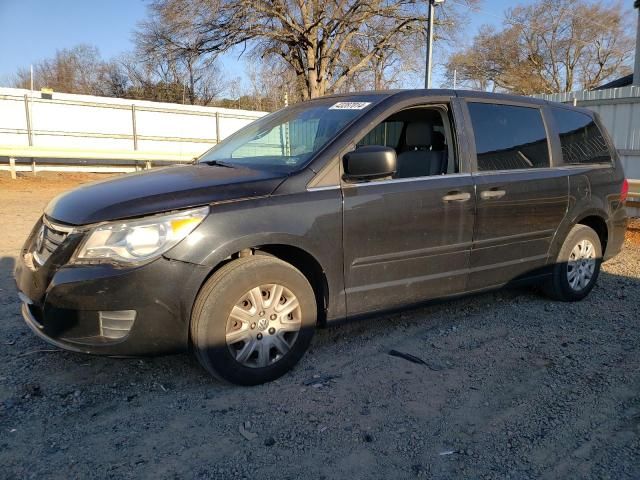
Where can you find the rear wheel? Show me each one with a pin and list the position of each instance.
(577, 267)
(253, 320)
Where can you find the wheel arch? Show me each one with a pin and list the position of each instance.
(598, 224)
(310, 268)
(592, 218)
(291, 253)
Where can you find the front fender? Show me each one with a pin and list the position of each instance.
(308, 220)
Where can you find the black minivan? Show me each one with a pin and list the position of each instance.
(333, 208)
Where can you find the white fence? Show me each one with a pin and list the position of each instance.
(82, 132)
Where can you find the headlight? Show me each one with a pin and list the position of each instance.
(139, 240)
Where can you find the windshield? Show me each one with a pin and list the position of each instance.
(287, 139)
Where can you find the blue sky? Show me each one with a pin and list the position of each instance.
(31, 30)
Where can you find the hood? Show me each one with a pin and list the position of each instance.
(159, 190)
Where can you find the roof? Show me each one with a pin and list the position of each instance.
(400, 94)
(415, 94)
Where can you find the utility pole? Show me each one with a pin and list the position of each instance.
(636, 70)
(427, 75)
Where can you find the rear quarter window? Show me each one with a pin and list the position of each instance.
(580, 138)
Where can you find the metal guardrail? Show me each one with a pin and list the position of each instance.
(91, 161)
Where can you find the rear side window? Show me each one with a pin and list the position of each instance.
(580, 137)
(508, 137)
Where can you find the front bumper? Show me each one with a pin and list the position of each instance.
(67, 305)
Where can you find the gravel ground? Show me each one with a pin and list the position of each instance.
(515, 386)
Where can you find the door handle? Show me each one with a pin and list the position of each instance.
(489, 194)
(457, 197)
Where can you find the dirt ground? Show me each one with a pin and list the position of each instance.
(515, 386)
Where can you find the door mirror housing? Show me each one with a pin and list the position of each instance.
(370, 162)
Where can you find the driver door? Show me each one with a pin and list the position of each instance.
(408, 239)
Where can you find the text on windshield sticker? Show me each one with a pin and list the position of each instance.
(349, 105)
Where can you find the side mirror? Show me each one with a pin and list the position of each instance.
(369, 163)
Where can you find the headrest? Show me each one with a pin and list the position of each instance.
(418, 134)
(437, 141)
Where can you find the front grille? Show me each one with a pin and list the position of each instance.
(47, 240)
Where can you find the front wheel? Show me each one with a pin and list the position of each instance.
(577, 267)
(253, 320)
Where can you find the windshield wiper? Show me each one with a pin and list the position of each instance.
(218, 163)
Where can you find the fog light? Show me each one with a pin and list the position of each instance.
(116, 324)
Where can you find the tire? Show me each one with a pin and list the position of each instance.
(247, 348)
(562, 284)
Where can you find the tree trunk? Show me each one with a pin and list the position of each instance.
(316, 76)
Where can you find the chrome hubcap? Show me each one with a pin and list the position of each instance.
(263, 325)
(581, 265)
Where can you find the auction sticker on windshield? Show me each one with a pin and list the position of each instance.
(349, 105)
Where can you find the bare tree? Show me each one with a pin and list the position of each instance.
(168, 79)
(75, 70)
(324, 42)
(145, 75)
(496, 62)
(549, 46)
(148, 81)
(112, 80)
(402, 63)
(269, 81)
(170, 51)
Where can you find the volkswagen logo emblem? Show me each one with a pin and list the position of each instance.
(40, 239)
